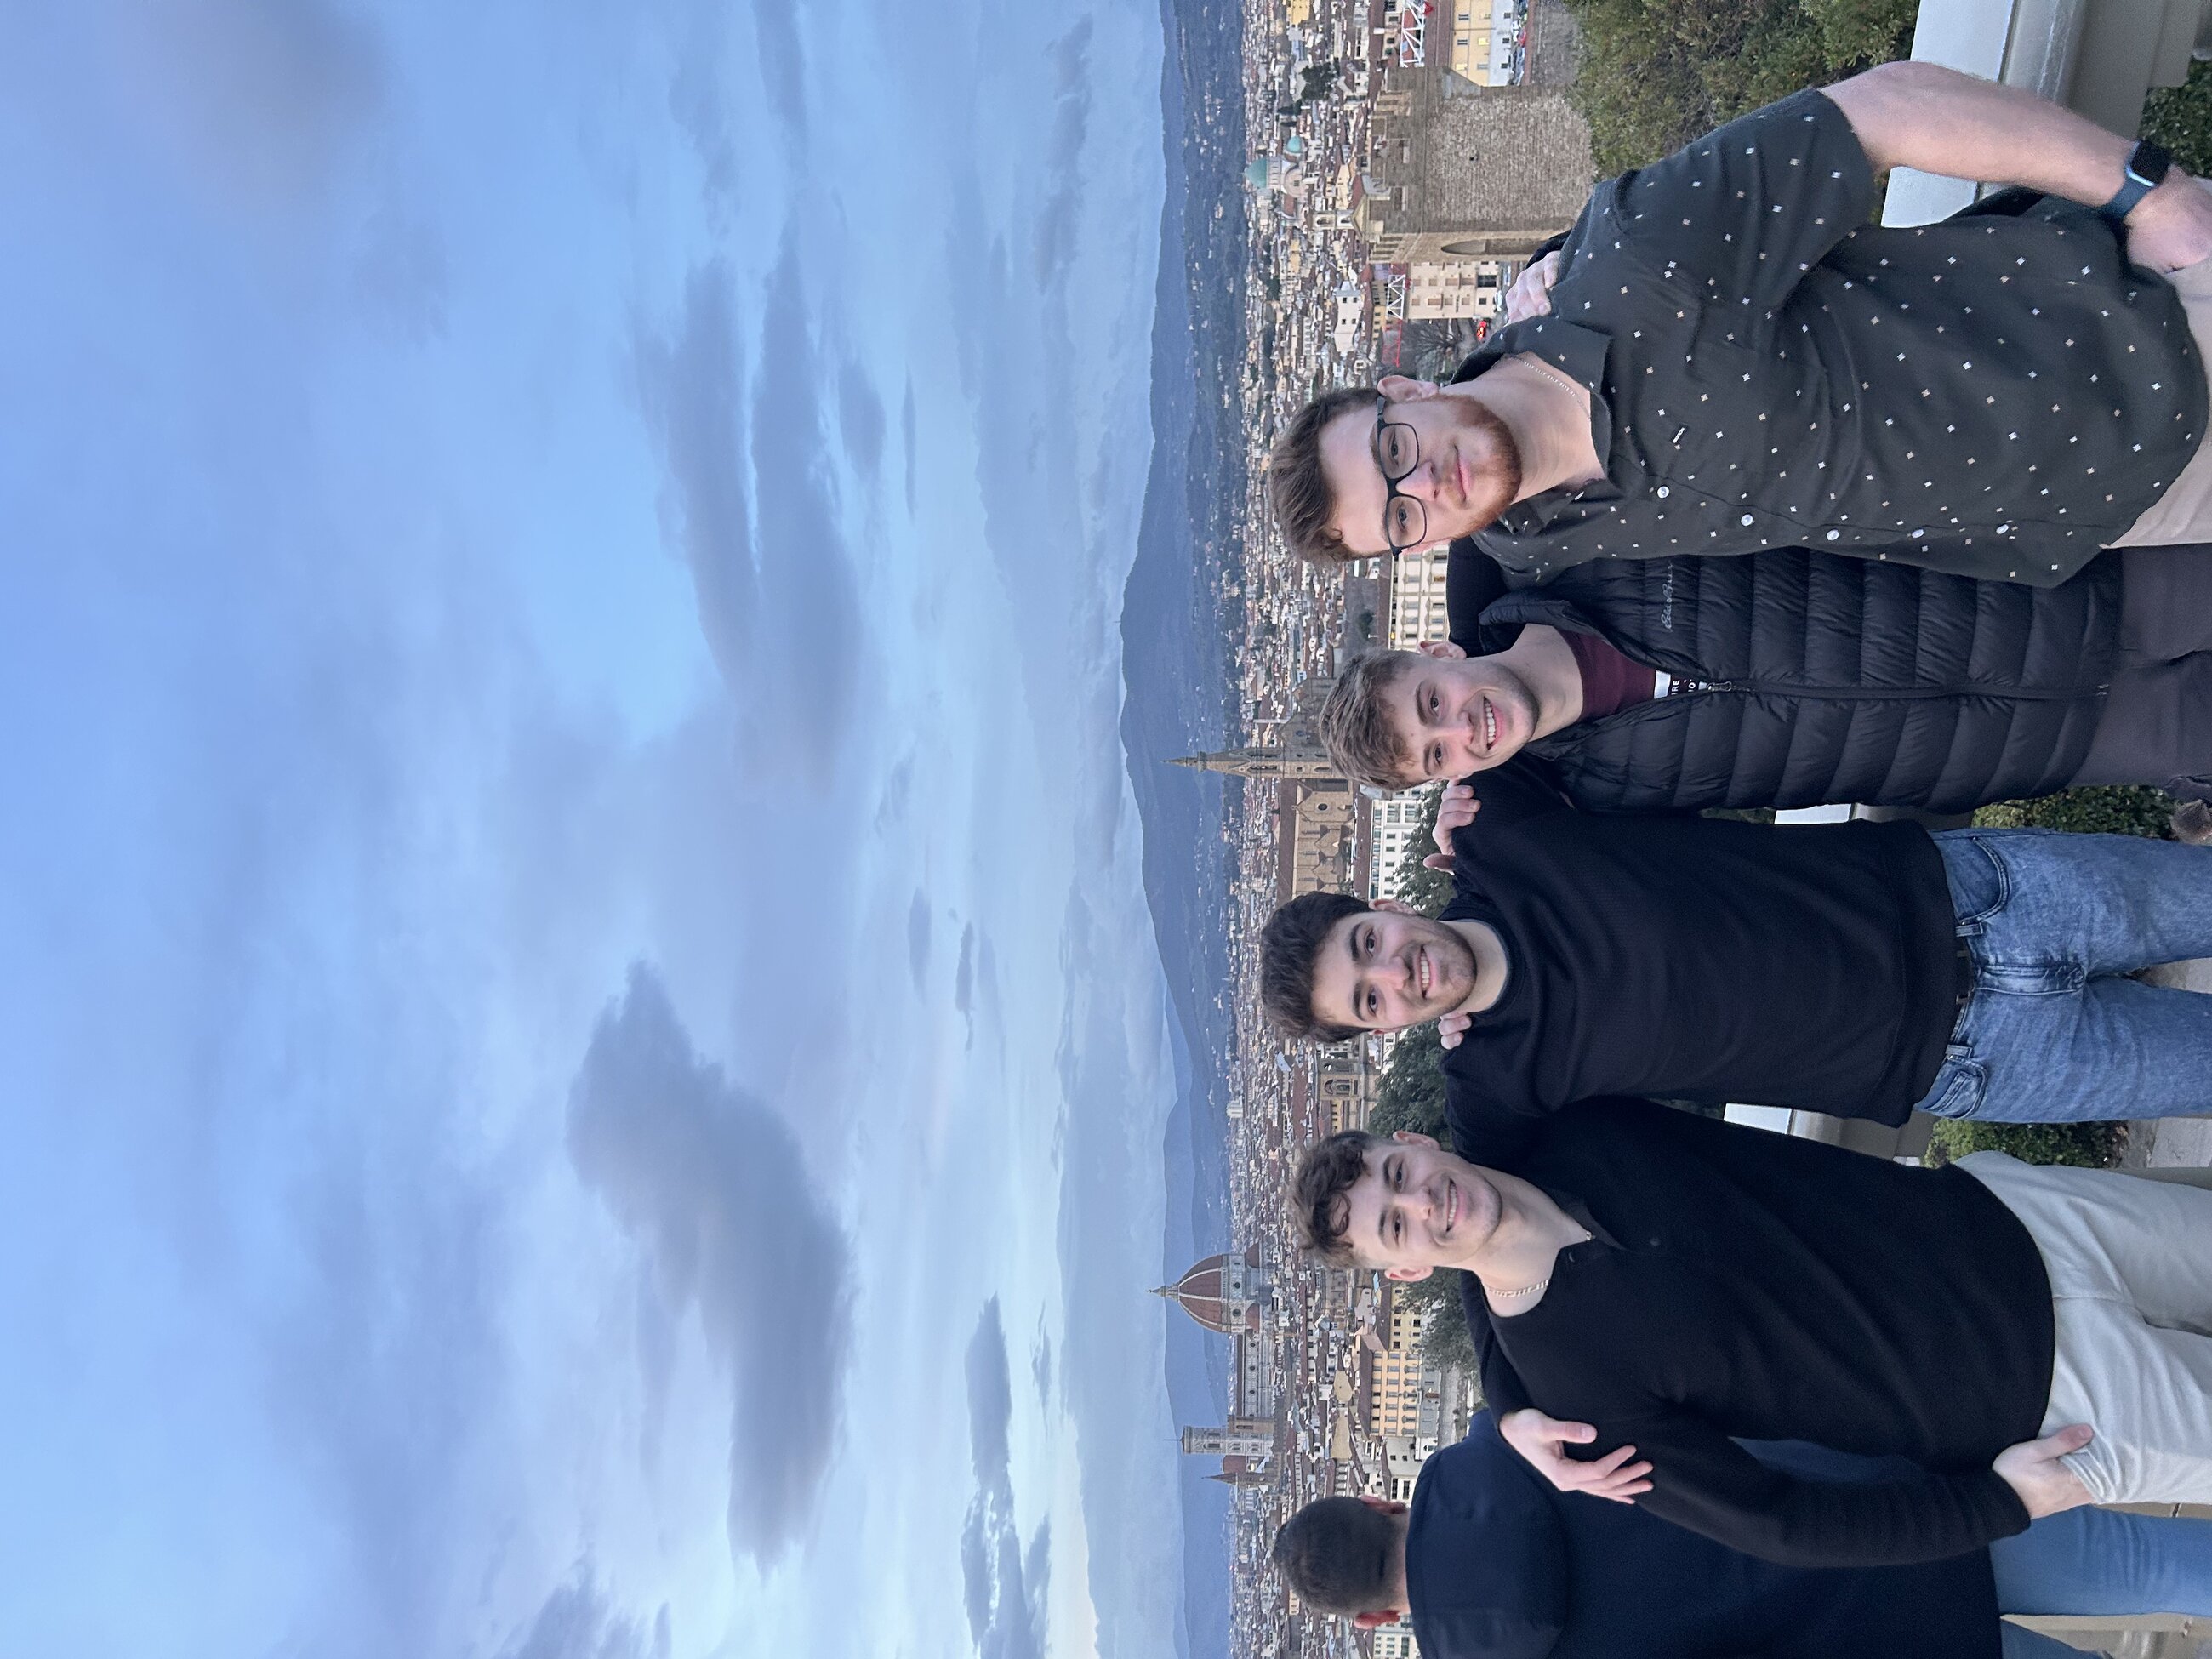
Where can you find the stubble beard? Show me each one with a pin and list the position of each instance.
(1493, 461)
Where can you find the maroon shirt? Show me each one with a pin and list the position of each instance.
(1611, 682)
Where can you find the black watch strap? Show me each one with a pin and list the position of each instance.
(2146, 166)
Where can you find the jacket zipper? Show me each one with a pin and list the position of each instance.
(1873, 694)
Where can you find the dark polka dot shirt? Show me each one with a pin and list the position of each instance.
(1998, 395)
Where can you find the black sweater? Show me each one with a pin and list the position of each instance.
(1810, 966)
(1741, 1283)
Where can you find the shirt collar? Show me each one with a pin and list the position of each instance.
(1579, 352)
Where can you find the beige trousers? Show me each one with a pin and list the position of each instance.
(2130, 1266)
(2184, 513)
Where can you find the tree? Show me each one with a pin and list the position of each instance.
(1445, 1339)
(1655, 73)
(1419, 887)
(1412, 1093)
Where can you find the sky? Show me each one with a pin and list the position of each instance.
(570, 875)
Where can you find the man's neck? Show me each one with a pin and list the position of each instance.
(1549, 418)
(1546, 665)
(1530, 1233)
(1492, 966)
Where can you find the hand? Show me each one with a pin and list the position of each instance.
(1455, 812)
(2171, 227)
(1541, 1439)
(1531, 292)
(1450, 1028)
(2033, 1470)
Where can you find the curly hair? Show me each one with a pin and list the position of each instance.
(1290, 944)
(1355, 721)
(1298, 490)
(1321, 1193)
(1337, 1554)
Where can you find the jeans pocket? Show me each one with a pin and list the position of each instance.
(1960, 1086)
(1977, 878)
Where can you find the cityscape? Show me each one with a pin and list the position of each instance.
(1406, 162)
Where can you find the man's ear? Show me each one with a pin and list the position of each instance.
(1399, 389)
(1443, 650)
(1415, 1138)
(1374, 1620)
(1407, 1275)
(1388, 1505)
(1392, 906)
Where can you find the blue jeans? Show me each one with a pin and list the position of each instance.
(2092, 1563)
(2054, 1032)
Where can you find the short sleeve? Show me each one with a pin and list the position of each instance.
(1744, 212)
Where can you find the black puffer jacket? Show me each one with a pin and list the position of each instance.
(1827, 679)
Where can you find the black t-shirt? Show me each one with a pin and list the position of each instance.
(1699, 959)
(1741, 1283)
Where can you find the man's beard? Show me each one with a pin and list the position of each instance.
(1494, 479)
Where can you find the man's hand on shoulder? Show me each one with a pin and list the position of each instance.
(1531, 292)
(1455, 812)
(2171, 227)
(2043, 1485)
(1542, 1441)
(1450, 1028)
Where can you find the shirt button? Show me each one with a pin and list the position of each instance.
(1745, 519)
(1661, 492)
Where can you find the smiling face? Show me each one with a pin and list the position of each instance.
(1456, 715)
(1417, 1208)
(1468, 470)
(1385, 969)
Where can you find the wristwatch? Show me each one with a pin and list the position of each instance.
(2146, 164)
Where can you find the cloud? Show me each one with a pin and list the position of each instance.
(1041, 1363)
(714, 1186)
(799, 700)
(860, 416)
(1004, 1586)
(399, 276)
(687, 388)
(697, 105)
(752, 508)
(578, 1622)
(907, 441)
(1052, 242)
(990, 1398)
(917, 936)
(963, 978)
(782, 67)
(261, 96)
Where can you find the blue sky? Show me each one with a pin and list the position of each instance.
(571, 881)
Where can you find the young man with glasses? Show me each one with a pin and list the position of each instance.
(1735, 360)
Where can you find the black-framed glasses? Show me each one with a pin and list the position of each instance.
(1397, 449)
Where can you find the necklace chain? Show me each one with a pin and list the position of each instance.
(1537, 1288)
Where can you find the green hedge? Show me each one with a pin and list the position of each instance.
(1655, 73)
(2111, 810)
(2181, 118)
(2092, 1145)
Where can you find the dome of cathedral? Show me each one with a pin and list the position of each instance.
(1216, 1292)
